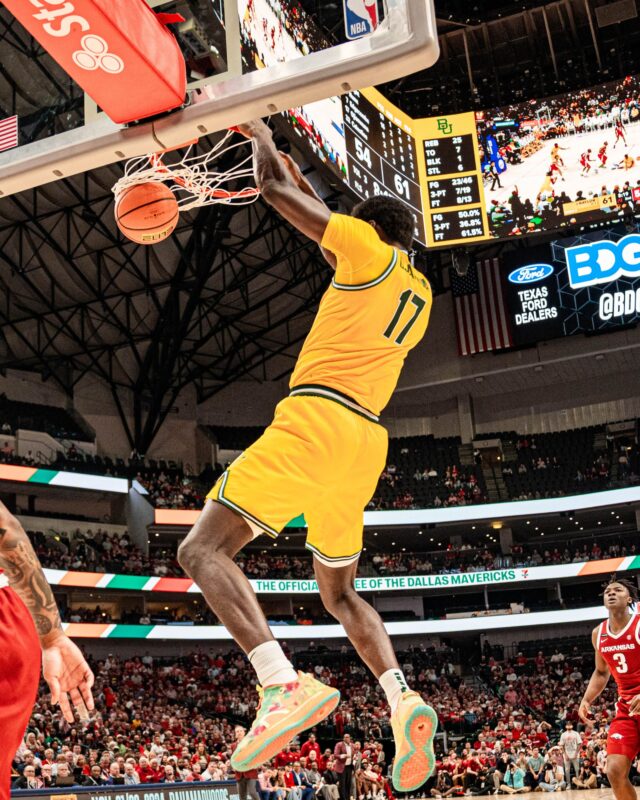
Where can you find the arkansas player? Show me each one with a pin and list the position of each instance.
(617, 645)
(31, 632)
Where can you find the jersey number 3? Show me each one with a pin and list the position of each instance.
(406, 297)
(621, 662)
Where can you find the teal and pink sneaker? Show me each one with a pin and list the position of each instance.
(414, 725)
(285, 711)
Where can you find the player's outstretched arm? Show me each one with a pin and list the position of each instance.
(303, 184)
(306, 213)
(64, 667)
(596, 685)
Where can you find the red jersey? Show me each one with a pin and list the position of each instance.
(621, 651)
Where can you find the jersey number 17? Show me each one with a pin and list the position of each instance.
(406, 297)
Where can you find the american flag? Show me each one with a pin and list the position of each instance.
(8, 133)
(482, 320)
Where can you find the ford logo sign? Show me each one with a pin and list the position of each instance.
(531, 274)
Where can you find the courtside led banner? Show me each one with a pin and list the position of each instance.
(437, 516)
(477, 624)
(202, 790)
(387, 583)
(72, 480)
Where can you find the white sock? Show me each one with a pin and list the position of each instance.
(271, 664)
(395, 685)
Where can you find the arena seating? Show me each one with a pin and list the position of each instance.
(177, 712)
(421, 471)
(566, 462)
(94, 550)
(55, 421)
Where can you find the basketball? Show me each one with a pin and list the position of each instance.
(147, 213)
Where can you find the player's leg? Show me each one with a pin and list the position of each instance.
(414, 722)
(262, 491)
(334, 536)
(623, 745)
(360, 620)
(618, 767)
(206, 555)
(298, 700)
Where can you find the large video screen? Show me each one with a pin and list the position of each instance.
(539, 166)
(568, 160)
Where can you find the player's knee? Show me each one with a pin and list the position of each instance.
(189, 551)
(336, 598)
(218, 533)
(617, 774)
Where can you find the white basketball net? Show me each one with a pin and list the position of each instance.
(193, 179)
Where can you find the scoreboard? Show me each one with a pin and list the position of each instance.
(455, 210)
(382, 156)
(432, 165)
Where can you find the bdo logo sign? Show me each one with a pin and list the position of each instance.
(603, 262)
(360, 17)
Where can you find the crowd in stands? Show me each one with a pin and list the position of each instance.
(173, 491)
(172, 720)
(564, 463)
(88, 550)
(421, 471)
(99, 551)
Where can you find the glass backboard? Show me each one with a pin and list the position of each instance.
(61, 132)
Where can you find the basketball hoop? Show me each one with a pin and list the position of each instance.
(193, 179)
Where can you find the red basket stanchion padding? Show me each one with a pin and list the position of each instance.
(118, 51)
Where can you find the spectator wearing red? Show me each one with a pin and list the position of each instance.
(312, 745)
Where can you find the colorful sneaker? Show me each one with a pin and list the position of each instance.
(285, 711)
(414, 726)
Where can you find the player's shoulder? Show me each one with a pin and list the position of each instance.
(352, 237)
(410, 274)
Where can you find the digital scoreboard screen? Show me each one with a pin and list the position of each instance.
(433, 165)
(569, 160)
(381, 155)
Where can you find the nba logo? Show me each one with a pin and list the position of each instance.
(361, 17)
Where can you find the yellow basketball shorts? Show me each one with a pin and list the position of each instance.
(320, 457)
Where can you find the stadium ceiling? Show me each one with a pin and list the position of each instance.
(228, 296)
(231, 295)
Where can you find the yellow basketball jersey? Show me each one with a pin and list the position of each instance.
(375, 311)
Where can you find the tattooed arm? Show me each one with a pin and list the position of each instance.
(26, 578)
(64, 667)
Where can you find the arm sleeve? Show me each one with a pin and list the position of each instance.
(361, 255)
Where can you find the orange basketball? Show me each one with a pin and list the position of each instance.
(147, 213)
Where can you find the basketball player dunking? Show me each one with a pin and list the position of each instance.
(31, 633)
(322, 456)
(617, 645)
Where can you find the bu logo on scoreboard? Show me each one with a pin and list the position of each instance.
(360, 17)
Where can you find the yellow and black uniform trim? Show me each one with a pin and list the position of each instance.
(358, 287)
(239, 510)
(316, 390)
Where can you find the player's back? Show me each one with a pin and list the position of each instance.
(621, 651)
(375, 311)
